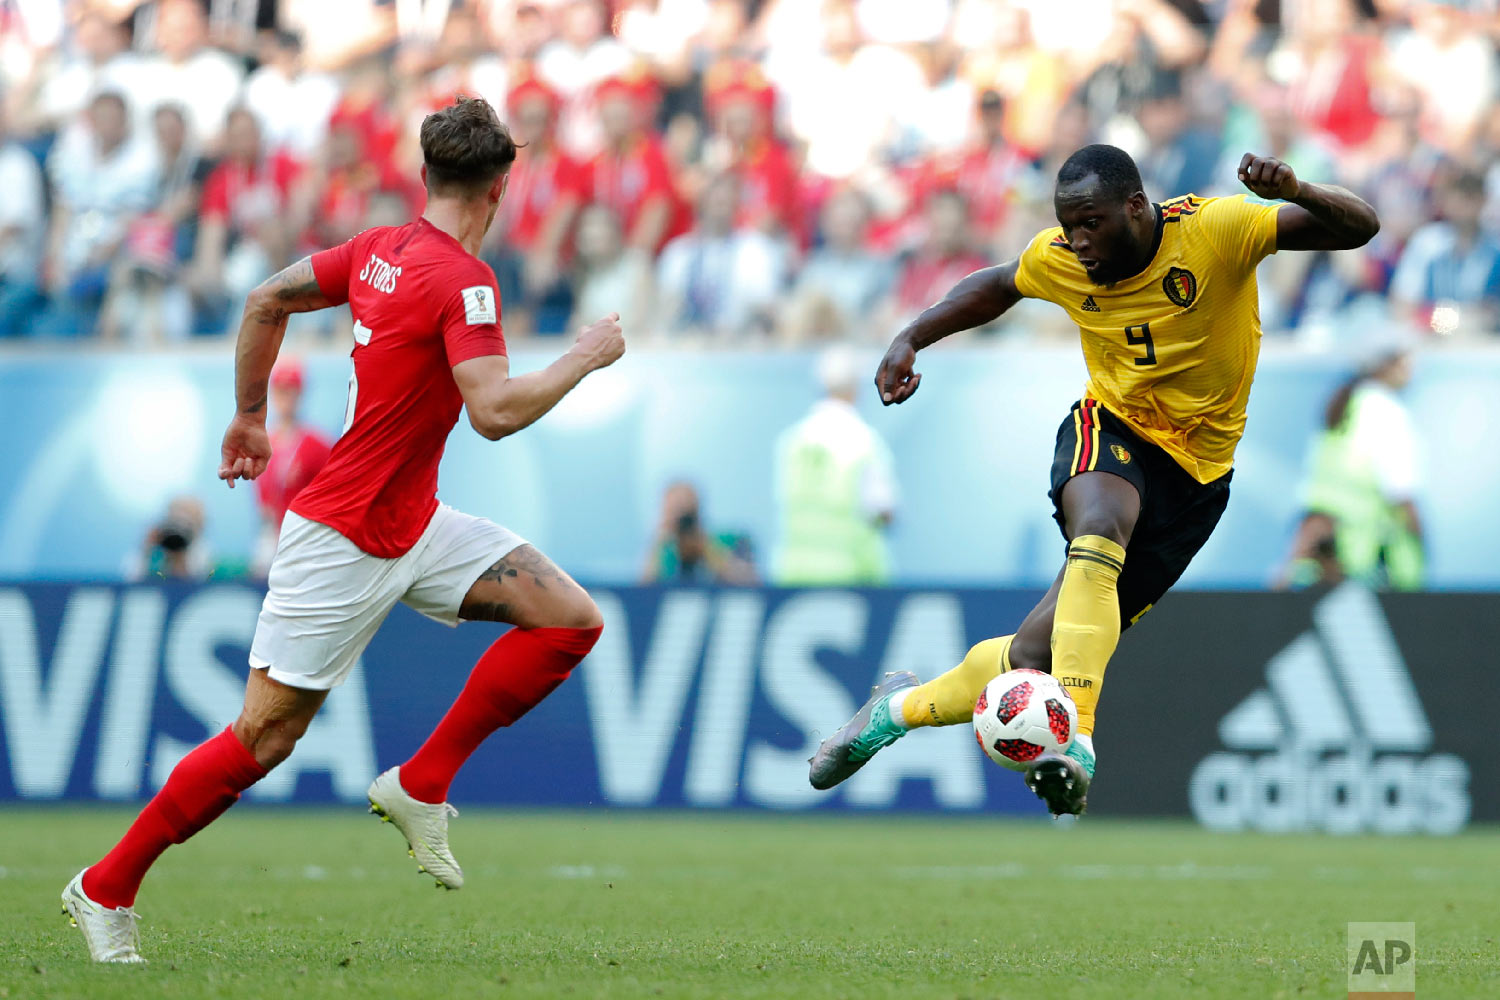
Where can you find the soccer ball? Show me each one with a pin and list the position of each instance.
(1021, 715)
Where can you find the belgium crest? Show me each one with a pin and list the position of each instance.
(1181, 286)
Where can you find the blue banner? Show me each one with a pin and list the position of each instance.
(699, 698)
(96, 445)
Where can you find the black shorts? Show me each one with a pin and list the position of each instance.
(1178, 513)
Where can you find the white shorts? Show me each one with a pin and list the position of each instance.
(327, 596)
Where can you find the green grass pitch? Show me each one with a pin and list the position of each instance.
(309, 904)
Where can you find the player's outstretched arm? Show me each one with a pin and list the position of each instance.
(499, 405)
(976, 300)
(1318, 216)
(247, 447)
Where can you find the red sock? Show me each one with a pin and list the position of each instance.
(517, 672)
(203, 784)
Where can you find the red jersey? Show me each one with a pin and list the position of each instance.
(538, 181)
(769, 189)
(246, 197)
(627, 182)
(296, 458)
(421, 305)
(985, 175)
(926, 279)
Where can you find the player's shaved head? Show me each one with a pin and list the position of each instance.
(1104, 214)
(465, 146)
(1116, 175)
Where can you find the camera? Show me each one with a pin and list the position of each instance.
(174, 536)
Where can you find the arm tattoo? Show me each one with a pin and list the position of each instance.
(255, 407)
(292, 289)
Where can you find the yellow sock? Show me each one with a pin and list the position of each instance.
(949, 699)
(1086, 628)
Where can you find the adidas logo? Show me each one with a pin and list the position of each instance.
(1334, 741)
(1089, 305)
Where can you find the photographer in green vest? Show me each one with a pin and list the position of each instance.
(1360, 516)
(836, 490)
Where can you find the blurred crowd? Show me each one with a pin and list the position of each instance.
(743, 171)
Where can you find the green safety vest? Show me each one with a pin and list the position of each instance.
(827, 537)
(1371, 538)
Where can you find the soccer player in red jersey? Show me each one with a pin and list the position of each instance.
(369, 531)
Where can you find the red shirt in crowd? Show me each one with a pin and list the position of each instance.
(926, 279)
(246, 196)
(297, 456)
(1334, 94)
(986, 176)
(627, 182)
(770, 191)
(539, 180)
(421, 304)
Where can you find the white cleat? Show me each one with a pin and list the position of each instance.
(111, 935)
(423, 824)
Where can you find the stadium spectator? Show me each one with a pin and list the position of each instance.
(1331, 59)
(332, 196)
(946, 255)
(1444, 55)
(575, 64)
(337, 36)
(1363, 478)
(1448, 277)
(62, 84)
(1180, 154)
(102, 181)
(609, 276)
(1032, 81)
(297, 453)
(664, 33)
(531, 240)
(631, 175)
(144, 302)
(187, 70)
(519, 31)
(940, 118)
(719, 280)
(842, 282)
(727, 37)
(985, 171)
(741, 105)
(242, 234)
(799, 98)
(843, 102)
(683, 551)
(23, 225)
(836, 490)
(291, 103)
(466, 63)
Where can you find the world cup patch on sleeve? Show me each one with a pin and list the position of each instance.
(479, 305)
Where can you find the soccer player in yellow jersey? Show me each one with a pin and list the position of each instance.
(1165, 301)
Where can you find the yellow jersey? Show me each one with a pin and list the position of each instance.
(1171, 351)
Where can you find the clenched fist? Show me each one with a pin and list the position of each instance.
(601, 342)
(1268, 177)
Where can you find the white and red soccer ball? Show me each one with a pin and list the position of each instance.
(1023, 714)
